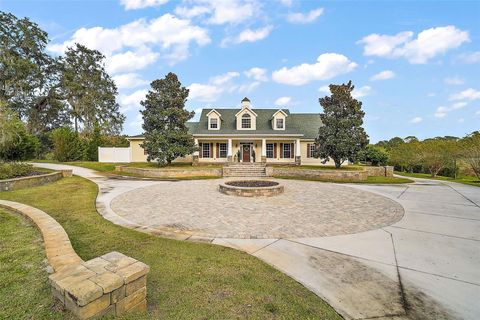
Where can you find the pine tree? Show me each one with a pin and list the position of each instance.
(164, 121)
(341, 137)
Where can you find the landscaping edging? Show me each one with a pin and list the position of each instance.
(171, 173)
(33, 181)
(332, 175)
(112, 284)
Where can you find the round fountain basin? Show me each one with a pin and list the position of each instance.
(251, 188)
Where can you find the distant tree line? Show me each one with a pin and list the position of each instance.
(445, 156)
(50, 101)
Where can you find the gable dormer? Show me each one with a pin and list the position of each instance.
(246, 118)
(279, 120)
(214, 120)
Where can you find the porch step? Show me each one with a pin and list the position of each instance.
(245, 170)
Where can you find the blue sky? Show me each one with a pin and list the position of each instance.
(415, 65)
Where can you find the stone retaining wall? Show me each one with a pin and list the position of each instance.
(33, 181)
(386, 171)
(331, 175)
(327, 175)
(110, 285)
(172, 173)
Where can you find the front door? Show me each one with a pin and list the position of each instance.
(246, 153)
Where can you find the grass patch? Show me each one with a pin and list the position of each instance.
(25, 292)
(470, 180)
(187, 280)
(329, 167)
(369, 180)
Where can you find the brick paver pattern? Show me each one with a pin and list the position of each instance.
(306, 209)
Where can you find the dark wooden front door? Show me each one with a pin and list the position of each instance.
(246, 153)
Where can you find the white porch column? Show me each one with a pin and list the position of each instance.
(229, 148)
(196, 153)
(229, 151)
(298, 152)
(264, 151)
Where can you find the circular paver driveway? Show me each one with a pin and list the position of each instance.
(306, 209)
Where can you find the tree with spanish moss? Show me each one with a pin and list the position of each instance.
(341, 136)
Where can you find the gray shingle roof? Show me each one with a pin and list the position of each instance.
(305, 124)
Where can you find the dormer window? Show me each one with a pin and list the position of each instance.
(214, 120)
(280, 123)
(246, 121)
(214, 123)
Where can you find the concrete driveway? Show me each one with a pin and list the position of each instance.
(425, 266)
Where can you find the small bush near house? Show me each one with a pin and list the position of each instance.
(9, 170)
(67, 145)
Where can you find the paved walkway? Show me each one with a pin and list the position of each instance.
(425, 266)
(305, 210)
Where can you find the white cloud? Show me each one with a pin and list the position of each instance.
(283, 101)
(204, 92)
(140, 4)
(137, 123)
(192, 12)
(224, 78)
(383, 75)
(245, 88)
(468, 94)
(256, 73)
(416, 120)
(441, 112)
(361, 92)
(324, 89)
(428, 44)
(167, 34)
(328, 65)
(220, 11)
(304, 18)
(455, 81)
(472, 57)
(287, 3)
(131, 60)
(128, 80)
(248, 35)
(132, 101)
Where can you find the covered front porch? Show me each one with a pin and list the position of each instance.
(248, 150)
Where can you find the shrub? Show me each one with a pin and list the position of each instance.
(10, 170)
(67, 145)
(377, 156)
(15, 142)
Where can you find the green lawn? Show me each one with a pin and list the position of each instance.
(24, 290)
(473, 181)
(187, 280)
(370, 180)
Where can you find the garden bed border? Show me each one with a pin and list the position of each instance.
(33, 181)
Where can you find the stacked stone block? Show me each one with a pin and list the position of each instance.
(112, 284)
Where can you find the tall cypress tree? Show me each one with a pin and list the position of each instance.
(164, 121)
(341, 137)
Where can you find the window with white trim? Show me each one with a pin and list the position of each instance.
(287, 150)
(223, 150)
(246, 121)
(312, 150)
(270, 152)
(206, 150)
(213, 123)
(279, 123)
